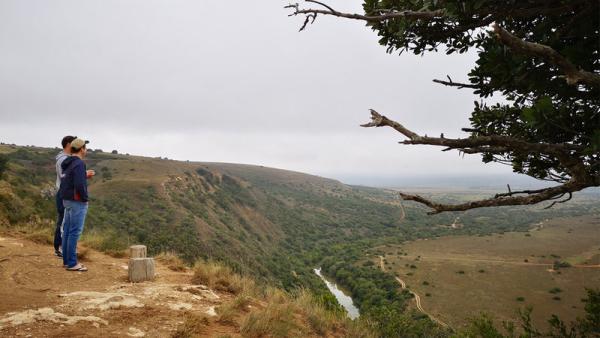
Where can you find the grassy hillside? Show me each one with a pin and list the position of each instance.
(273, 224)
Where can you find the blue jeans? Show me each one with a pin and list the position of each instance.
(72, 228)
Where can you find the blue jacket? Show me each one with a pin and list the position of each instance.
(73, 186)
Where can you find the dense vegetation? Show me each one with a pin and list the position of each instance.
(275, 225)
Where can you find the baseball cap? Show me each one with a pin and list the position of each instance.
(78, 143)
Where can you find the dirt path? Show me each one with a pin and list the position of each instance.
(41, 299)
(496, 261)
(395, 204)
(415, 295)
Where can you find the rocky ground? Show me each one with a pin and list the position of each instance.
(39, 298)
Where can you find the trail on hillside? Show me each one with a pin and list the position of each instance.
(392, 203)
(415, 295)
(496, 261)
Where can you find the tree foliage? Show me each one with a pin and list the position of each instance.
(541, 56)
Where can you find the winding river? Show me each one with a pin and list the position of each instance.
(344, 300)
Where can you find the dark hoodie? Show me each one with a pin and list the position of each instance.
(73, 186)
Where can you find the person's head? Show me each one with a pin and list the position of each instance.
(78, 147)
(66, 142)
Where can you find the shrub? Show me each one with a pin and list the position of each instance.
(520, 299)
(460, 272)
(171, 261)
(193, 326)
(555, 290)
(3, 164)
(558, 264)
(220, 277)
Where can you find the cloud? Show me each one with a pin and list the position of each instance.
(223, 81)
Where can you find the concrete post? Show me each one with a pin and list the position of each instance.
(137, 251)
(141, 268)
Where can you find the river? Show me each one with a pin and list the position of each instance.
(344, 300)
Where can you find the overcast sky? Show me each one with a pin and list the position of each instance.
(227, 81)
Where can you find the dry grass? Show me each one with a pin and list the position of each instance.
(221, 278)
(272, 312)
(274, 320)
(172, 262)
(103, 243)
(497, 276)
(298, 315)
(193, 326)
(83, 254)
(41, 236)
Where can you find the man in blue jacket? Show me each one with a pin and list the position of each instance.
(73, 189)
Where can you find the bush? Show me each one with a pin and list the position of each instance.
(3, 164)
(220, 277)
(193, 326)
(171, 261)
(520, 299)
(555, 290)
(558, 264)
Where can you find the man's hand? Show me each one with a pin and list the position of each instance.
(90, 173)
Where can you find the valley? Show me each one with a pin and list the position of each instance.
(274, 225)
(548, 267)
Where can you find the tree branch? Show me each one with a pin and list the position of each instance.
(387, 15)
(451, 83)
(573, 75)
(534, 198)
(496, 144)
(477, 142)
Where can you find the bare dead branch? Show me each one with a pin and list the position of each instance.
(483, 143)
(563, 201)
(385, 15)
(459, 85)
(573, 75)
(542, 195)
(496, 144)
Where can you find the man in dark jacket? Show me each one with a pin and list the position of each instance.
(60, 209)
(73, 189)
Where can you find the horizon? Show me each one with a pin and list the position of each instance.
(443, 182)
